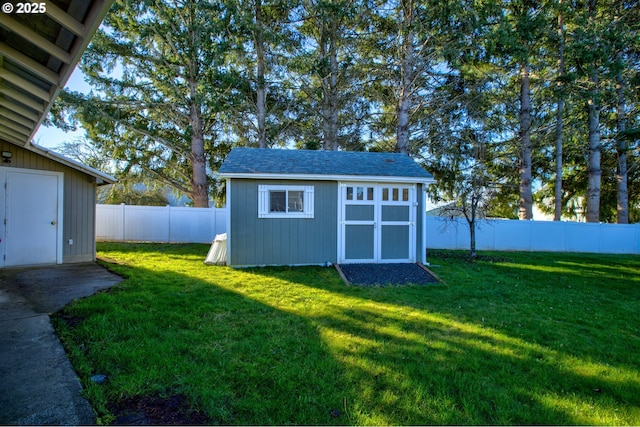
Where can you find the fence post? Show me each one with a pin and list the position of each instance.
(215, 222)
(600, 232)
(123, 209)
(168, 223)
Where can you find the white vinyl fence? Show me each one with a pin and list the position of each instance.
(180, 225)
(168, 224)
(535, 236)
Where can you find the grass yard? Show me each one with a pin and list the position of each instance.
(516, 338)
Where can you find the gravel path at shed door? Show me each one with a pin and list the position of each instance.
(386, 274)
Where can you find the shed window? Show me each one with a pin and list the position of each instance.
(277, 201)
(284, 201)
(360, 193)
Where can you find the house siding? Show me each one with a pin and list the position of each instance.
(79, 198)
(79, 217)
(281, 241)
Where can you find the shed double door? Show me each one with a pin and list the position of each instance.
(377, 223)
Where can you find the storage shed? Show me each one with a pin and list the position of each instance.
(304, 207)
(49, 205)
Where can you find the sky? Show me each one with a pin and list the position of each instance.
(51, 137)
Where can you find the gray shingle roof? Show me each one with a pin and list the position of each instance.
(311, 162)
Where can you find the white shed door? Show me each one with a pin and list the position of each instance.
(32, 207)
(377, 223)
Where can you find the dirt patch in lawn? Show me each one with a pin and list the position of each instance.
(156, 410)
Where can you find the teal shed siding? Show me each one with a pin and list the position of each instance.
(281, 241)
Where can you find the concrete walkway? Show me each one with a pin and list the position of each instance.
(38, 386)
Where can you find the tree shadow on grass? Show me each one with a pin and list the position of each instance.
(588, 303)
(428, 363)
(296, 346)
(581, 305)
(416, 359)
(239, 361)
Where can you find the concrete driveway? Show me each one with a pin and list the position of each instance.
(37, 383)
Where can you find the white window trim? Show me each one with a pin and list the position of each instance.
(263, 201)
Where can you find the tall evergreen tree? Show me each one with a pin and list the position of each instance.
(177, 82)
(625, 37)
(589, 58)
(560, 102)
(263, 40)
(157, 67)
(324, 70)
(404, 49)
(513, 44)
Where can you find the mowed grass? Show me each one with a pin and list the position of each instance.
(515, 338)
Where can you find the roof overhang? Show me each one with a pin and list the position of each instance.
(342, 178)
(101, 177)
(38, 53)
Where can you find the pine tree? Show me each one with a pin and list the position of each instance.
(324, 71)
(559, 125)
(263, 41)
(160, 86)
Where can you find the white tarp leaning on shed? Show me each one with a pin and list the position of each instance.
(218, 253)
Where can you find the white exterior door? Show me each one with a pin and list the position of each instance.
(376, 223)
(358, 223)
(397, 212)
(32, 217)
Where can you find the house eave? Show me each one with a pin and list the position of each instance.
(101, 177)
(37, 60)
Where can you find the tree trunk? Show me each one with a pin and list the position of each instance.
(525, 210)
(472, 245)
(200, 194)
(621, 146)
(406, 76)
(330, 88)
(333, 99)
(404, 105)
(200, 187)
(559, 121)
(261, 92)
(557, 216)
(472, 224)
(330, 107)
(595, 173)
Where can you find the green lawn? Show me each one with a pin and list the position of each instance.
(516, 338)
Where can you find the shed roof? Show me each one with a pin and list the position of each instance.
(267, 162)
